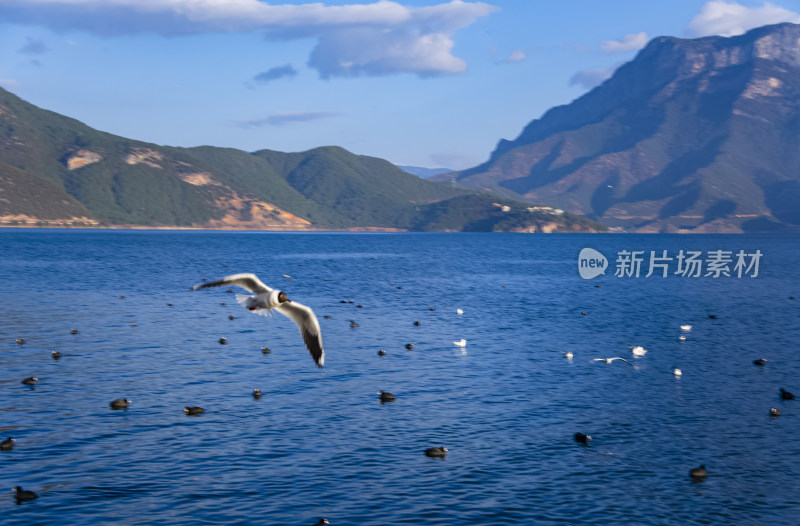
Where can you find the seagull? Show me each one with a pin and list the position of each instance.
(459, 312)
(638, 350)
(609, 360)
(677, 372)
(266, 299)
(568, 355)
(682, 338)
(686, 328)
(460, 343)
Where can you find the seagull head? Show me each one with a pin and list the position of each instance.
(282, 297)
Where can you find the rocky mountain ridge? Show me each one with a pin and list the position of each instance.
(693, 135)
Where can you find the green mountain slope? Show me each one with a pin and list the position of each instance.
(359, 188)
(22, 194)
(56, 168)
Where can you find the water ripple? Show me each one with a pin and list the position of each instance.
(320, 443)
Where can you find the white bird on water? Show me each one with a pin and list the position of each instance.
(459, 312)
(609, 360)
(568, 355)
(460, 343)
(638, 350)
(677, 372)
(686, 328)
(266, 300)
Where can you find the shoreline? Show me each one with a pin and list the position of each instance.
(200, 228)
(377, 230)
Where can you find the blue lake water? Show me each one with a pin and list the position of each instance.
(320, 443)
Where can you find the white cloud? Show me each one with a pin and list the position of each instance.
(282, 118)
(589, 78)
(630, 42)
(379, 38)
(719, 17)
(9, 84)
(517, 55)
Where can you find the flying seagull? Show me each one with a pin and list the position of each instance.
(609, 360)
(266, 300)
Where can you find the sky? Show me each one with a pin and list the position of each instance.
(427, 83)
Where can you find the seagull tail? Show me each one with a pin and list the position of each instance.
(247, 300)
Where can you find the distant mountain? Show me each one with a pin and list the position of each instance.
(692, 135)
(55, 170)
(421, 171)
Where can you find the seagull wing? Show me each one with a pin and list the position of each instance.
(248, 282)
(306, 321)
(619, 358)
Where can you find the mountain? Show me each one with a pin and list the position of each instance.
(695, 135)
(57, 171)
(421, 171)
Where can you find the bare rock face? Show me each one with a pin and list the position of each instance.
(144, 156)
(691, 136)
(82, 158)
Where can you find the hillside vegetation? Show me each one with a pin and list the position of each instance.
(56, 168)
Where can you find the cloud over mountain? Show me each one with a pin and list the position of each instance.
(282, 118)
(589, 78)
(379, 38)
(631, 42)
(726, 19)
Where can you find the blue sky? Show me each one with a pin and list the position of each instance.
(420, 82)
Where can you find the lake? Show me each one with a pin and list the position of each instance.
(319, 443)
